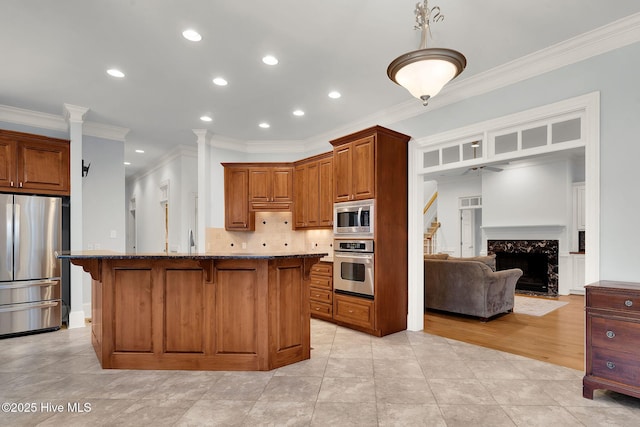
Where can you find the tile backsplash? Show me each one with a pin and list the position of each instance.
(273, 233)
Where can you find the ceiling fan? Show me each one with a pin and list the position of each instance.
(475, 145)
(489, 168)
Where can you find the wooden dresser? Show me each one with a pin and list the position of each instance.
(612, 338)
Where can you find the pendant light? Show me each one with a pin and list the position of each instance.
(425, 71)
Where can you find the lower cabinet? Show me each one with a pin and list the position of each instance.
(353, 311)
(321, 290)
(612, 338)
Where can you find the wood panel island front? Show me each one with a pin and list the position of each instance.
(199, 312)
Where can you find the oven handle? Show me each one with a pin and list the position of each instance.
(355, 255)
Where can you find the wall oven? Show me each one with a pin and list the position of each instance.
(353, 267)
(353, 219)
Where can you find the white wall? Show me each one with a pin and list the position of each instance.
(180, 170)
(527, 195)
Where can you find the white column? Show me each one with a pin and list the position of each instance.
(204, 184)
(415, 316)
(74, 116)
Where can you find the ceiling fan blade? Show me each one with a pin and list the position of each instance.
(493, 169)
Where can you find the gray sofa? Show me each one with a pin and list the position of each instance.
(468, 286)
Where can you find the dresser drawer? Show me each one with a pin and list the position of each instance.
(615, 366)
(322, 268)
(616, 335)
(613, 301)
(357, 311)
(320, 295)
(323, 311)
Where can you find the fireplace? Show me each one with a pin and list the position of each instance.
(538, 260)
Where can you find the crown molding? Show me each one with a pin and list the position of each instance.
(31, 118)
(100, 130)
(58, 123)
(177, 152)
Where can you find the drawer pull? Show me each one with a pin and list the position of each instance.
(350, 311)
(317, 308)
(611, 334)
(628, 303)
(611, 365)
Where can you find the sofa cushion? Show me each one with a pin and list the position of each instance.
(489, 260)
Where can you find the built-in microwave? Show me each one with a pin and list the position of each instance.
(353, 219)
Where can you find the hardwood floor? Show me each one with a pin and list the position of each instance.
(557, 337)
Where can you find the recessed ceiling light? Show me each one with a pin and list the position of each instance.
(298, 113)
(115, 73)
(127, 163)
(191, 35)
(220, 81)
(334, 95)
(270, 60)
(206, 118)
(140, 151)
(264, 125)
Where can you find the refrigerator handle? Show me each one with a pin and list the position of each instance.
(16, 233)
(9, 242)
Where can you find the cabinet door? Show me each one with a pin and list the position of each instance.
(236, 201)
(260, 185)
(281, 184)
(43, 166)
(363, 186)
(7, 164)
(313, 192)
(325, 199)
(301, 196)
(342, 173)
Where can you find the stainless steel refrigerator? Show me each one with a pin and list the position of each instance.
(30, 234)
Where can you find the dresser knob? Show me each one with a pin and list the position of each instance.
(611, 334)
(611, 365)
(628, 303)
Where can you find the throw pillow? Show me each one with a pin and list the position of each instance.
(489, 260)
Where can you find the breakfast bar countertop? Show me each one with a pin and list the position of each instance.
(186, 256)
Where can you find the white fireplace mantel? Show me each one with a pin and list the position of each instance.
(537, 229)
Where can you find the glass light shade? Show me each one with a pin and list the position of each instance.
(424, 72)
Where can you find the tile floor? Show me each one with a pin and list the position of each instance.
(405, 379)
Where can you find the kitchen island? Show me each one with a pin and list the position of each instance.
(199, 312)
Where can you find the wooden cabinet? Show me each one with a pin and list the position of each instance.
(354, 169)
(237, 216)
(34, 164)
(313, 192)
(369, 164)
(354, 311)
(271, 188)
(321, 290)
(612, 338)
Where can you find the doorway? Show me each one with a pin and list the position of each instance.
(470, 232)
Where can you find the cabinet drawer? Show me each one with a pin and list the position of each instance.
(320, 295)
(615, 366)
(358, 311)
(321, 310)
(322, 269)
(616, 335)
(321, 282)
(613, 301)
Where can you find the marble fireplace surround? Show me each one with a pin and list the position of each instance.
(550, 248)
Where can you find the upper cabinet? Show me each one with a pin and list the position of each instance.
(313, 195)
(271, 188)
(353, 168)
(237, 216)
(34, 164)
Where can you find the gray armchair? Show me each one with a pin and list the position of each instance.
(470, 287)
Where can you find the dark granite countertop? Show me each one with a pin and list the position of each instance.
(198, 256)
